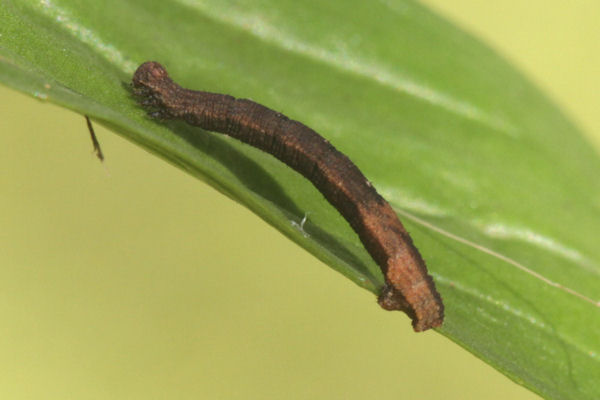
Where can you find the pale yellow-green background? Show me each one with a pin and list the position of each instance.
(133, 280)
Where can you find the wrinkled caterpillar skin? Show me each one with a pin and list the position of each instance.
(408, 287)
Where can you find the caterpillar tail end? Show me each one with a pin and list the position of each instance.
(425, 314)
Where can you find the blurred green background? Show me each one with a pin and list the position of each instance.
(132, 280)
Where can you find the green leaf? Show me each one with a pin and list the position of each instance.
(499, 191)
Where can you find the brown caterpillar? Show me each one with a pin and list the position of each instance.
(408, 286)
